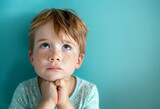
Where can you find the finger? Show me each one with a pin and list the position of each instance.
(67, 78)
(60, 83)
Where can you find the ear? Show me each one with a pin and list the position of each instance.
(30, 57)
(79, 61)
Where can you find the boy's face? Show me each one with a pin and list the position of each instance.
(54, 59)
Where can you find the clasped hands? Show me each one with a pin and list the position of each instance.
(55, 94)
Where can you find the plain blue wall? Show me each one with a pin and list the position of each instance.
(123, 49)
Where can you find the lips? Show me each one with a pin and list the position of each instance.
(54, 68)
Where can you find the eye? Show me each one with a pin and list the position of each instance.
(45, 45)
(66, 46)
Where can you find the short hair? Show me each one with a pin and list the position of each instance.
(64, 21)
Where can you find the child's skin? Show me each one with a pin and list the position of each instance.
(55, 61)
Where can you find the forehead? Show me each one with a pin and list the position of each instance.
(47, 31)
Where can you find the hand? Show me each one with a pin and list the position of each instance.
(49, 94)
(63, 93)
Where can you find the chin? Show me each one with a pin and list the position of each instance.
(54, 78)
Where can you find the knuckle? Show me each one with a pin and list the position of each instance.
(60, 82)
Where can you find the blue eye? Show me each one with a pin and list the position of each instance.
(67, 47)
(45, 45)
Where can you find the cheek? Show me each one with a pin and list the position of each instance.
(72, 59)
(38, 58)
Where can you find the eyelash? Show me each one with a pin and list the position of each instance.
(66, 45)
(46, 45)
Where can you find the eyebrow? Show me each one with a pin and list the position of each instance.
(64, 41)
(68, 42)
(40, 40)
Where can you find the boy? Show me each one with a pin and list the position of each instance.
(57, 46)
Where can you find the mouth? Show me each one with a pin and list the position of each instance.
(54, 68)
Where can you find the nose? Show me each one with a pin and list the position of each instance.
(55, 55)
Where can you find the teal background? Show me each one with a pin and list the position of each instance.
(123, 49)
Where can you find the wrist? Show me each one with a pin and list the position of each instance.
(66, 105)
(46, 104)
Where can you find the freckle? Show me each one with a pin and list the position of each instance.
(40, 58)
